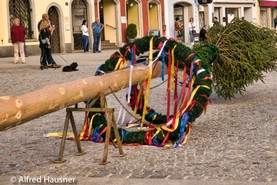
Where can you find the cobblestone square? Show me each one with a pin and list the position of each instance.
(235, 142)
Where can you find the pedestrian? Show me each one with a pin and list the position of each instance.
(42, 54)
(85, 36)
(46, 31)
(275, 23)
(178, 30)
(97, 27)
(215, 22)
(25, 47)
(203, 33)
(191, 30)
(18, 38)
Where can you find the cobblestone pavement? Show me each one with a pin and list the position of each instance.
(235, 142)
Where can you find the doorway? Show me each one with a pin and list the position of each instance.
(133, 14)
(184, 12)
(153, 10)
(55, 38)
(108, 17)
(79, 13)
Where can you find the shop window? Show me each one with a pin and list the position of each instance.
(231, 13)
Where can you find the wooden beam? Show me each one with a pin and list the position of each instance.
(16, 110)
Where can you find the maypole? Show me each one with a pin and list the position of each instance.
(16, 110)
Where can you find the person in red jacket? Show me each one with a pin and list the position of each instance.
(18, 38)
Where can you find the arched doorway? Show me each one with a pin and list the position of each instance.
(154, 19)
(55, 38)
(133, 14)
(108, 17)
(183, 11)
(79, 13)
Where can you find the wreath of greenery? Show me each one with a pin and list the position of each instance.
(159, 134)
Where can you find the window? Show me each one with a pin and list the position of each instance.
(21, 9)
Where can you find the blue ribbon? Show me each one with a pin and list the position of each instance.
(148, 116)
(95, 134)
(163, 62)
(154, 141)
(124, 134)
(183, 124)
(132, 57)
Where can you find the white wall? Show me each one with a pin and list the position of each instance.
(169, 15)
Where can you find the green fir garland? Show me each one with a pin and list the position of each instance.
(246, 52)
(184, 56)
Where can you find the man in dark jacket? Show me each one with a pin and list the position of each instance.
(275, 22)
(203, 33)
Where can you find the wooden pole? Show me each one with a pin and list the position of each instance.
(16, 110)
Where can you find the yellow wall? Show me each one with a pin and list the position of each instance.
(3, 21)
(110, 19)
(64, 14)
(153, 17)
(133, 16)
(38, 8)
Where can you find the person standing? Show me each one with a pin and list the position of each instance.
(275, 23)
(42, 55)
(203, 33)
(18, 38)
(215, 21)
(46, 31)
(97, 27)
(85, 36)
(191, 30)
(178, 30)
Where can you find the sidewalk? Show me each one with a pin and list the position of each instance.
(65, 58)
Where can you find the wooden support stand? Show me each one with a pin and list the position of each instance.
(109, 113)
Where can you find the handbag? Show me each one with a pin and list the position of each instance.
(193, 33)
(180, 33)
(43, 41)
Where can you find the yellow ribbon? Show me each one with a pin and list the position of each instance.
(90, 124)
(119, 64)
(172, 68)
(83, 130)
(148, 82)
(157, 132)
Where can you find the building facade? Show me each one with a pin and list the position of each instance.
(152, 17)
(67, 17)
(224, 10)
(268, 11)
(63, 15)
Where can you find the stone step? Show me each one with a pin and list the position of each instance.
(105, 41)
(107, 44)
(103, 47)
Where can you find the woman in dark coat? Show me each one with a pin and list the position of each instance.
(45, 43)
